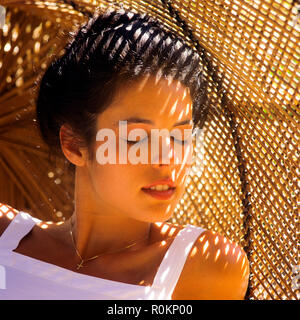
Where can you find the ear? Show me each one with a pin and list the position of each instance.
(71, 147)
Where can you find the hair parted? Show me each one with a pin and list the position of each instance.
(113, 48)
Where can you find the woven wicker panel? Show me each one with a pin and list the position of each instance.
(244, 180)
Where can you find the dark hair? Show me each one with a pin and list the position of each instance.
(112, 48)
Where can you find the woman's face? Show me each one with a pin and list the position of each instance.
(126, 187)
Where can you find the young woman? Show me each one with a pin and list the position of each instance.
(121, 78)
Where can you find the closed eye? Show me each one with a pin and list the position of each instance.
(181, 141)
(135, 142)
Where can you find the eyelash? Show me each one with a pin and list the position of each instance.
(134, 142)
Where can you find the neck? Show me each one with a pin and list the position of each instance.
(98, 229)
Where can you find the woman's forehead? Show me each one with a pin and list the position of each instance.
(154, 100)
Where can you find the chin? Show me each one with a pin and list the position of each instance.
(158, 216)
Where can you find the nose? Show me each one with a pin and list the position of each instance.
(162, 149)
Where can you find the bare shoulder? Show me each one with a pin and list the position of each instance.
(216, 268)
(165, 230)
(7, 214)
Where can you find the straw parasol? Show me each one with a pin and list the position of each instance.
(244, 182)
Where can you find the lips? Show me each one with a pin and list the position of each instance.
(160, 194)
(168, 182)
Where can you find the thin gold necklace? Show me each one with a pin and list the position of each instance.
(80, 265)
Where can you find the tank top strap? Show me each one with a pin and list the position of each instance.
(173, 262)
(18, 228)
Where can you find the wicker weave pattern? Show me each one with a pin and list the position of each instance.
(254, 46)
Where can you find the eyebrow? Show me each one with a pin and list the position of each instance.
(147, 121)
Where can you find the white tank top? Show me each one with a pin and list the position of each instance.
(23, 277)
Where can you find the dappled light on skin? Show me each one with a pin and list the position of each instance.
(4, 209)
(243, 262)
(201, 239)
(168, 209)
(159, 224)
(170, 80)
(238, 256)
(164, 229)
(143, 82)
(187, 109)
(178, 85)
(10, 215)
(173, 174)
(165, 103)
(176, 177)
(158, 76)
(162, 243)
(221, 254)
(172, 231)
(217, 255)
(212, 252)
(185, 93)
(207, 255)
(8, 211)
(173, 108)
(233, 250)
(205, 247)
(216, 240)
(226, 249)
(193, 252)
(245, 272)
(180, 115)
